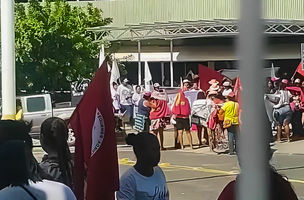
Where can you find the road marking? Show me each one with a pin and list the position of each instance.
(169, 167)
(296, 181)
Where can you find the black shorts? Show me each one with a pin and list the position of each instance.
(182, 124)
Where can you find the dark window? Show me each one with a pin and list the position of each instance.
(35, 104)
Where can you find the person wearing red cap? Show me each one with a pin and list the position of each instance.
(231, 121)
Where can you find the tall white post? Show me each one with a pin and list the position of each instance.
(8, 59)
(171, 62)
(139, 63)
(254, 147)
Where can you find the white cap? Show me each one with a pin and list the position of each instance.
(125, 80)
(186, 81)
(297, 80)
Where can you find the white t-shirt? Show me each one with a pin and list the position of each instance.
(284, 96)
(46, 190)
(134, 186)
(124, 92)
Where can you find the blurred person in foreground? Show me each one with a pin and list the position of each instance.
(280, 187)
(145, 180)
(58, 160)
(15, 177)
(19, 130)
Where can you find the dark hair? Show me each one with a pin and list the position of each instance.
(19, 130)
(54, 134)
(114, 83)
(16, 130)
(137, 86)
(14, 164)
(201, 95)
(141, 140)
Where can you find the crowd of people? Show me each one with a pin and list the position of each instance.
(214, 113)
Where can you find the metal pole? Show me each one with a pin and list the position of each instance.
(253, 152)
(185, 66)
(162, 73)
(171, 62)
(139, 63)
(8, 59)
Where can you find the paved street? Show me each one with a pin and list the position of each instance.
(200, 174)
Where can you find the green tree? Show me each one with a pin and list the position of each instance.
(53, 47)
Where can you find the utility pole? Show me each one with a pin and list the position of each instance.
(8, 59)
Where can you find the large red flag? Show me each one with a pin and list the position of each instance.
(238, 91)
(299, 70)
(94, 128)
(206, 74)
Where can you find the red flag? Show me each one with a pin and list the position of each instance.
(300, 70)
(238, 91)
(181, 105)
(206, 74)
(94, 127)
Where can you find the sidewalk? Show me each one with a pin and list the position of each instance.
(294, 147)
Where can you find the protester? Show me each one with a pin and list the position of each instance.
(15, 177)
(227, 88)
(116, 107)
(181, 111)
(145, 180)
(297, 111)
(297, 83)
(200, 113)
(142, 120)
(124, 92)
(280, 187)
(115, 98)
(269, 89)
(158, 114)
(186, 85)
(231, 121)
(282, 110)
(137, 96)
(19, 130)
(58, 160)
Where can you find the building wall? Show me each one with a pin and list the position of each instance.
(139, 11)
(205, 53)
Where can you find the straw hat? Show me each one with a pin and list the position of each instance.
(213, 81)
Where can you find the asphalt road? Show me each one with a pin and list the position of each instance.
(195, 176)
(192, 175)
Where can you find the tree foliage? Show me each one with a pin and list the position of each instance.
(53, 47)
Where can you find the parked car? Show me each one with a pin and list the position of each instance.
(37, 108)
